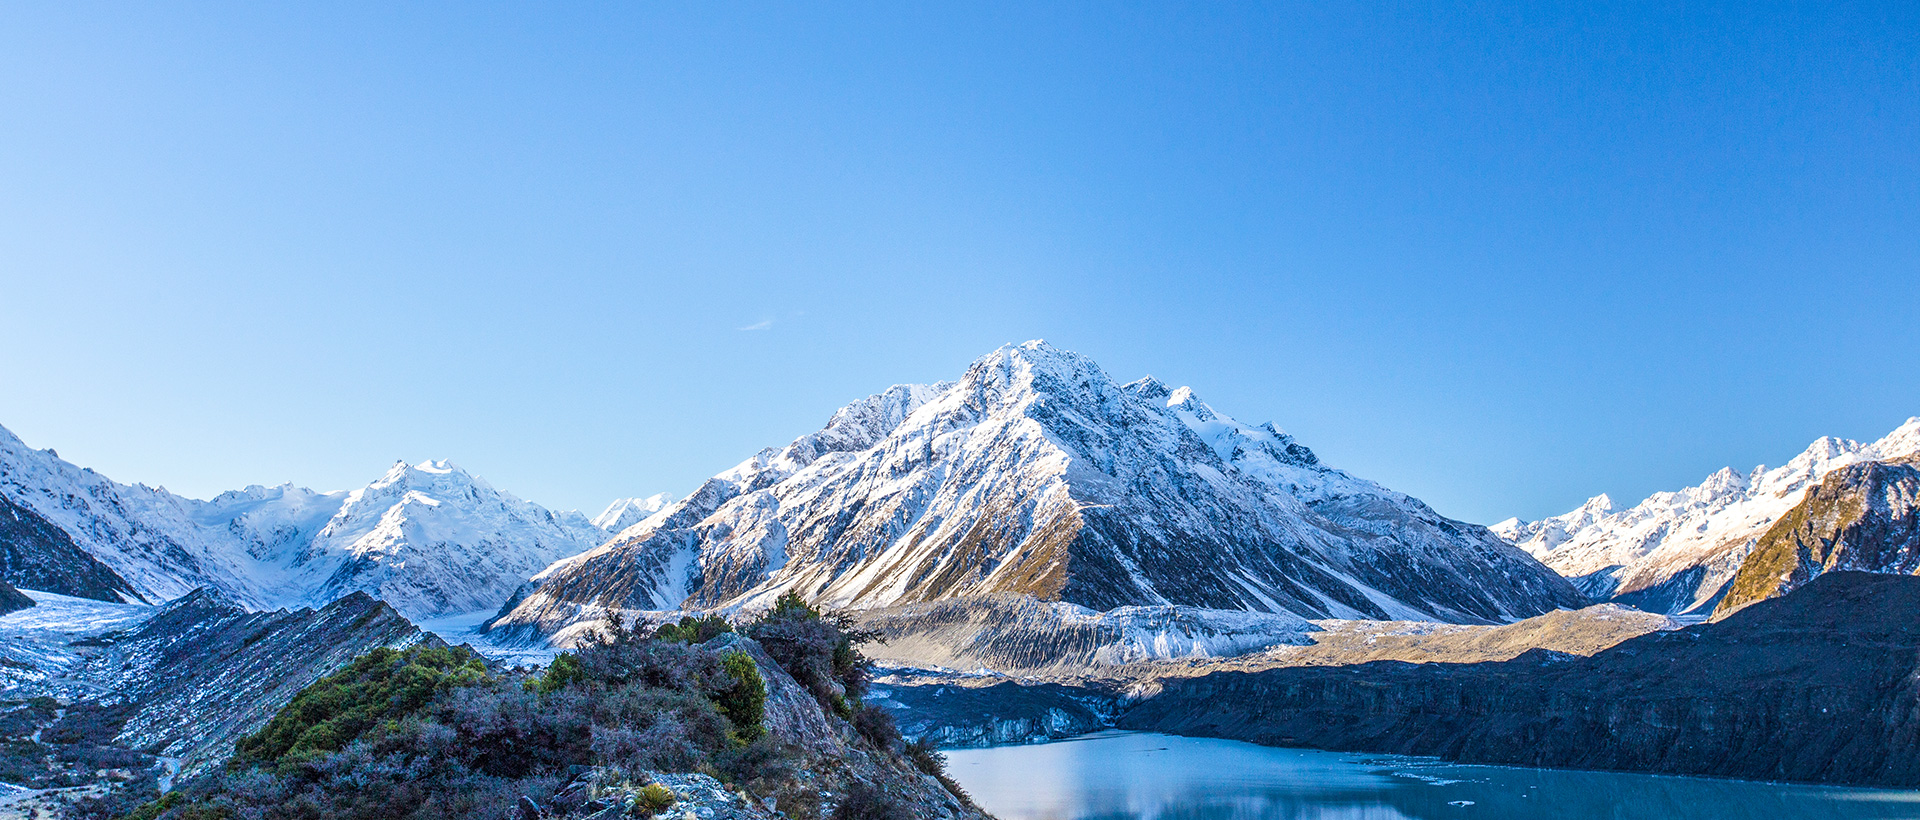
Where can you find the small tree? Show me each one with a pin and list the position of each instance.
(746, 702)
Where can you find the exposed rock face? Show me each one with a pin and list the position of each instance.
(1676, 551)
(1036, 474)
(605, 794)
(38, 555)
(1861, 517)
(11, 600)
(833, 752)
(1818, 686)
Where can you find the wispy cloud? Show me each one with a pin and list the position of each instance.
(761, 325)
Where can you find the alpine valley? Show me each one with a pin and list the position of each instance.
(1030, 551)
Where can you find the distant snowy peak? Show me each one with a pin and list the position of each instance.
(1674, 551)
(144, 535)
(626, 512)
(1037, 474)
(432, 539)
(428, 538)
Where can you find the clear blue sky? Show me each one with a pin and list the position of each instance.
(1500, 257)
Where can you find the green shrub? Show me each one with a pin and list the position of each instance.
(745, 703)
(691, 630)
(564, 670)
(380, 686)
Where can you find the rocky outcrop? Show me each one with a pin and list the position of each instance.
(203, 671)
(607, 794)
(11, 600)
(835, 756)
(1821, 685)
(38, 555)
(1037, 474)
(1861, 517)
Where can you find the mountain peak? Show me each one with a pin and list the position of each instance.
(1037, 474)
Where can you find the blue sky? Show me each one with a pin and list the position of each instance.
(1502, 257)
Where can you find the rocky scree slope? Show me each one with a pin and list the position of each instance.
(1036, 474)
(203, 671)
(1675, 551)
(97, 696)
(431, 539)
(1815, 686)
(1860, 517)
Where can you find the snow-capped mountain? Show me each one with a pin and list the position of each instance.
(1675, 551)
(1037, 474)
(147, 536)
(429, 539)
(1862, 516)
(626, 512)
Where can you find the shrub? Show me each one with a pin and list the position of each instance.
(819, 651)
(876, 724)
(691, 630)
(564, 669)
(864, 802)
(745, 702)
(926, 757)
(382, 685)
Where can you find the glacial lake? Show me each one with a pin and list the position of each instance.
(1139, 776)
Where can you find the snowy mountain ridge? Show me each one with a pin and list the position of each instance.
(430, 539)
(626, 512)
(1037, 474)
(1675, 551)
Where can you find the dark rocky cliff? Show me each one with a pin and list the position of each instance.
(1861, 517)
(11, 600)
(38, 555)
(1821, 685)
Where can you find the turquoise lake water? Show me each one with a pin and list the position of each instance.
(1136, 776)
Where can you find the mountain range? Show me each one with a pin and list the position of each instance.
(1036, 474)
(430, 539)
(1676, 552)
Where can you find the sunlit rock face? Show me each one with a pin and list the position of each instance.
(1675, 552)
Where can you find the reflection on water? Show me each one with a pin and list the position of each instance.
(1133, 776)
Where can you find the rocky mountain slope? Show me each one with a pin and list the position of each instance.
(177, 683)
(1675, 551)
(38, 555)
(430, 538)
(1814, 686)
(1037, 474)
(1860, 517)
